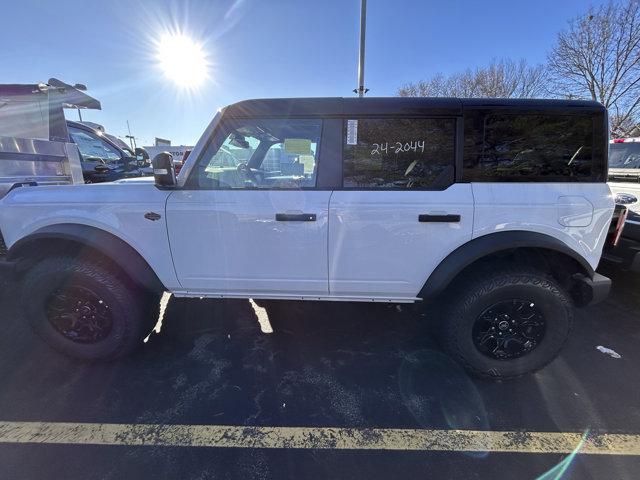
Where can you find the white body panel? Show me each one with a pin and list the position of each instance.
(229, 242)
(364, 245)
(117, 208)
(377, 246)
(576, 213)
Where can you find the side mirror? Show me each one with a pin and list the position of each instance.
(625, 198)
(163, 172)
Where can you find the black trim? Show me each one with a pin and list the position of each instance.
(113, 247)
(329, 161)
(459, 152)
(486, 245)
(295, 217)
(427, 218)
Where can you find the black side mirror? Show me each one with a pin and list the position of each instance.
(163, 172)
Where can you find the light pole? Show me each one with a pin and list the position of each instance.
(361, 90)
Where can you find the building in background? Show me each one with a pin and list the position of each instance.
(177, 151)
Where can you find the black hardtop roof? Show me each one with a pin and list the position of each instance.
(337, 106)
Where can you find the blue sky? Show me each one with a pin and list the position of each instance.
(259, 48)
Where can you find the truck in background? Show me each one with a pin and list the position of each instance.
(34, 142)
(39, 146)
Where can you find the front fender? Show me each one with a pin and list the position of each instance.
(109, 245)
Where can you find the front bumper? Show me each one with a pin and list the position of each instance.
(593, 290)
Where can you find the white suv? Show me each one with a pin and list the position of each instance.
(494, 211)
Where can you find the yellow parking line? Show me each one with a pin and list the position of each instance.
(223, 436)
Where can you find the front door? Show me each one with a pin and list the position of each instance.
(250, 221)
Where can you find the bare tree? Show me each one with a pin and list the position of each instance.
(502, 78)
(598, 57)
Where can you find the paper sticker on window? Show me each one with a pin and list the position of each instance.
(308, 161)
(297, 146)
(352, 132)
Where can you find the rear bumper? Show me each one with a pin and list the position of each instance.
(593, 290)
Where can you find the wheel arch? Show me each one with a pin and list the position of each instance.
(563, 262)
(86, 240)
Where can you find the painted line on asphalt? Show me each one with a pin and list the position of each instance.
(222, 436)
(263, 317)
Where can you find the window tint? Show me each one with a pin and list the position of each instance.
(92, 147)
(624, 155)
(529, 148)
(401, 153)
(263, 153)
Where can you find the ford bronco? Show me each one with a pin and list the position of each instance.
(492, 214)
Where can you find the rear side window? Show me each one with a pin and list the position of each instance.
(530, 148)
(399, 153)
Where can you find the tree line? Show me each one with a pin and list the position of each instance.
(596, 57)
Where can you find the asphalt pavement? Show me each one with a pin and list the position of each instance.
(358, 367)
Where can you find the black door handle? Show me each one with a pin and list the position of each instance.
(295, 217)
(439, 218)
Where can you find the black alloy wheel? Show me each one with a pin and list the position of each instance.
(509, 329)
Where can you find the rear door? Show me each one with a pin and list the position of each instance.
(399, 212)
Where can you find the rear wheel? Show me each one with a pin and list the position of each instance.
(507, 323)
(86, 309)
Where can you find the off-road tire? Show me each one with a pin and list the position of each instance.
(474, 296)
(133, 311)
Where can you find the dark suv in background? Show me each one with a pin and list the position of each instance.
(105, 158)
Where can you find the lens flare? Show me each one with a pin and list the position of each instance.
(182, 60)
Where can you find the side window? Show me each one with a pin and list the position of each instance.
(92, 147)
(529, 148)
(262, 153)
(399, 153)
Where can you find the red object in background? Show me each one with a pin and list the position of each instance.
(618, 140)
(178, 166)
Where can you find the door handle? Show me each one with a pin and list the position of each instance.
(295, 217)
(450, 218)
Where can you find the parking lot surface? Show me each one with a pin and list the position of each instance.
(363, 371)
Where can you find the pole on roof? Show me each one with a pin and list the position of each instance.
(361, 90)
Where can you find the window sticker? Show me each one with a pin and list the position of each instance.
(297, 146)
(352, 132)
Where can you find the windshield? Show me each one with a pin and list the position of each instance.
(93, 148)
(624, 155)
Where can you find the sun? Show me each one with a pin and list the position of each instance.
(182, 60)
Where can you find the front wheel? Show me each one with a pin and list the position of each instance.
(504, 324)
(86, 310)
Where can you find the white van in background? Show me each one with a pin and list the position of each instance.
(624, 181)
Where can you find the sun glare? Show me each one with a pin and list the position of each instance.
(182, 60)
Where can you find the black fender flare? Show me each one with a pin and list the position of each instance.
(480, 247)
(114, 248)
